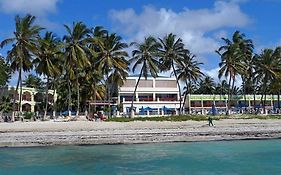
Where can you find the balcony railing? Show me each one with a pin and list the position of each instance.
(167, 99)
(145, 99)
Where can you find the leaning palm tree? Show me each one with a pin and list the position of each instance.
(231, 62)
(23, 45)
(189, 72)
(112, 57)
(146, 56)
(171, 54)
(46, 55)
(75, 56)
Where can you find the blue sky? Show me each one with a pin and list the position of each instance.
(200, 24)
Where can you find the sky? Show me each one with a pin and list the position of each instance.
(200, 23)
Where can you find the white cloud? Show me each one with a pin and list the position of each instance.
(38, 8)
(35, 7)
(220, 34)
(191, 25)
(214, 74)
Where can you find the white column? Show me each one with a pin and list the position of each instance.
(202, 104)
(55, 96)
(137, 96)
(32, 97)
(154, 96)
(118, 99)
(32, 107)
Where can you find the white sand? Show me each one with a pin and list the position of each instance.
(86, 132)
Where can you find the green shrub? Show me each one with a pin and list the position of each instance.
(28, 115)
(179, 118)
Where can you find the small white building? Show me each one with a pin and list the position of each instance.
(154, 96)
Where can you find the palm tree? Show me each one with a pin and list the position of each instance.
(45, 60)
(23, 45)
(5, 72)
(5, 105)
(92, 75)
(267, 69)
(189, 72)
(206, 86)
(231, 64)
(222, 87)
(75, 56)
(93, 78)
(245, 50)
(112, 58)
(32, 81)
(146, 56)
(171, 54)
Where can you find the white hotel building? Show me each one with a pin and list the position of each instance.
(154, 96)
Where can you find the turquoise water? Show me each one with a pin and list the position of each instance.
(204, 158)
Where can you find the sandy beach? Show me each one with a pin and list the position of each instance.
(85, 132)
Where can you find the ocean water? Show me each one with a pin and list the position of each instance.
(202, 158)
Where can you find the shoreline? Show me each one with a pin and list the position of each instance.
(49, 133)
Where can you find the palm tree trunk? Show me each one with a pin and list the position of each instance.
(185, 95)
(255, 99)
(108, 94)
(264, 102)
(95, 97)
(16, 94)
(174, 70)
(262, 95)
(244, 91)
(278, 99)
(54, 102)
(228, 96)
(69, 95)
(55, 92)
(47, 98)
(133, 98)
(78, 96)
(20, 99)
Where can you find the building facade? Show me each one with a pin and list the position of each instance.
(154, 96)
(31, 97)
(160, 96)
(205, 102)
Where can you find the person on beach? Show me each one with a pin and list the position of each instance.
(210, 121)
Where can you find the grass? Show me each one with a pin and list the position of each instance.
(194, 118)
